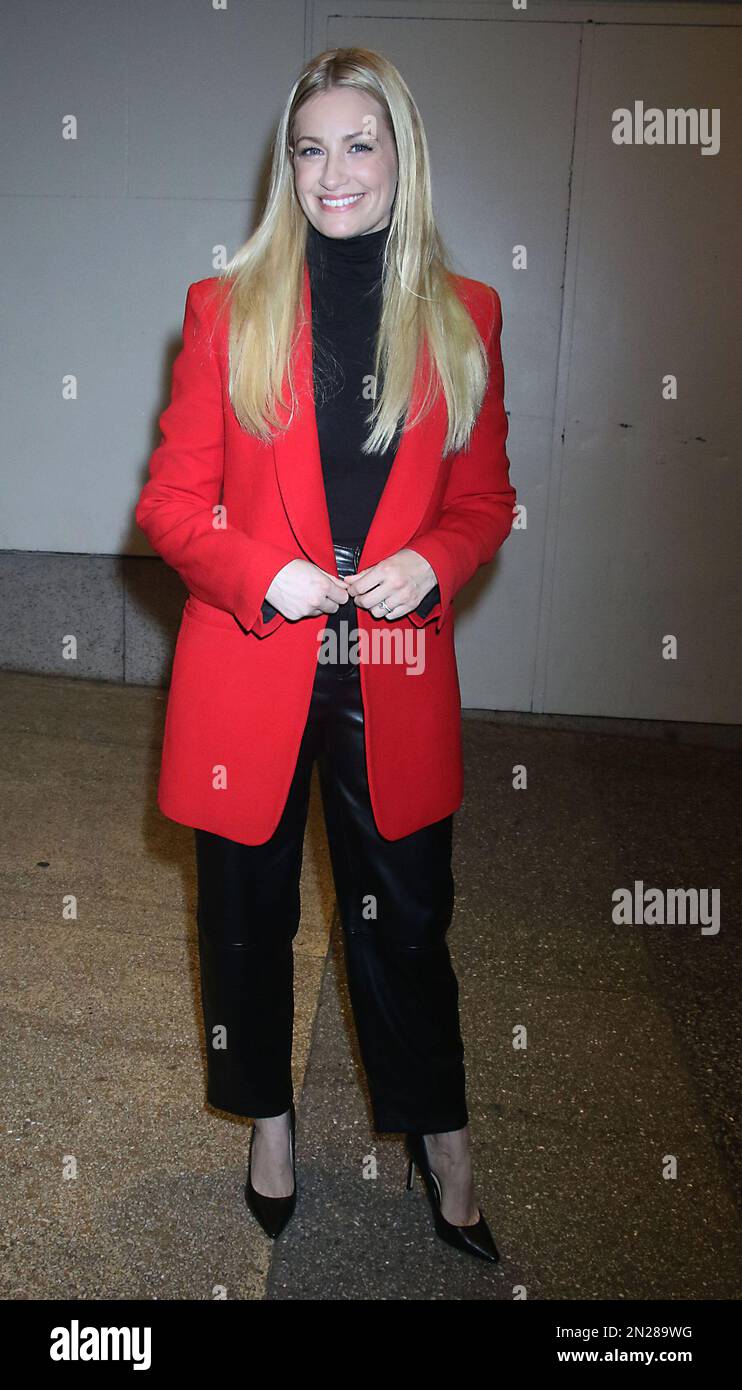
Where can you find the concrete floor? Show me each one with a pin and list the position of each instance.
(120, 1183)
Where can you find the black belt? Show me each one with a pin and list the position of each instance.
(347, 556)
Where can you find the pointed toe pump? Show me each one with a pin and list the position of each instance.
(474, 1240)
(272, 1213)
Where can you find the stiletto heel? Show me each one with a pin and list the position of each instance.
(272, 1213)
(474, 1240)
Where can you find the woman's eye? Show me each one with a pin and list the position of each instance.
(357, 145)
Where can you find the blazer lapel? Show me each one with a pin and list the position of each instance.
(299, 467)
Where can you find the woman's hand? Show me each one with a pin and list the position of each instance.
(402, 579)
(303, 590)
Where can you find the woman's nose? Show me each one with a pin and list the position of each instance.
(334, 174)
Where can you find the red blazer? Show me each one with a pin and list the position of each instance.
(240, 686)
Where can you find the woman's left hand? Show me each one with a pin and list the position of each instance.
(403, 579)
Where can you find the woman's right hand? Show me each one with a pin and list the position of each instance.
(303, 590)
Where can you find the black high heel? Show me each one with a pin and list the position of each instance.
(272, 1213)
(474, 1240)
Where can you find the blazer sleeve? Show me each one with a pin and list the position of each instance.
(178, 507)
(477, 510)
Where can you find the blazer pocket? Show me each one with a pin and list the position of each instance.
(206, 613)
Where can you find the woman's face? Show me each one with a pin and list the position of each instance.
(344, 149)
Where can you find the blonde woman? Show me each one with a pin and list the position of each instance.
(332, 471)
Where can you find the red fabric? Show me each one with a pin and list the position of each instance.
(227, 512)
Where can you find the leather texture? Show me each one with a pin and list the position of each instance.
(395, 901)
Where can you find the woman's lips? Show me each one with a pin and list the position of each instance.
(344, 207)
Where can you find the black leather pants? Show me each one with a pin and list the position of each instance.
(395, 900)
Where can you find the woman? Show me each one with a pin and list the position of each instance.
(322, 558)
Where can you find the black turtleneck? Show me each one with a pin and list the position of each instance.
(345, 281)
(345, 278)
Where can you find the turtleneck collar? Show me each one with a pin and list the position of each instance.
(359, 258)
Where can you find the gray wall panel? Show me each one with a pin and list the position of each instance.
(106, 305)
(206, 89)
(648, 520)
(58, 60)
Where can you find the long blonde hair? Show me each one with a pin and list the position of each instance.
(263, 282)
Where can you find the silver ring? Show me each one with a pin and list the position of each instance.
(385, 606)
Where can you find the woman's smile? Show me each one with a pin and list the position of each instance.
(340, 204)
